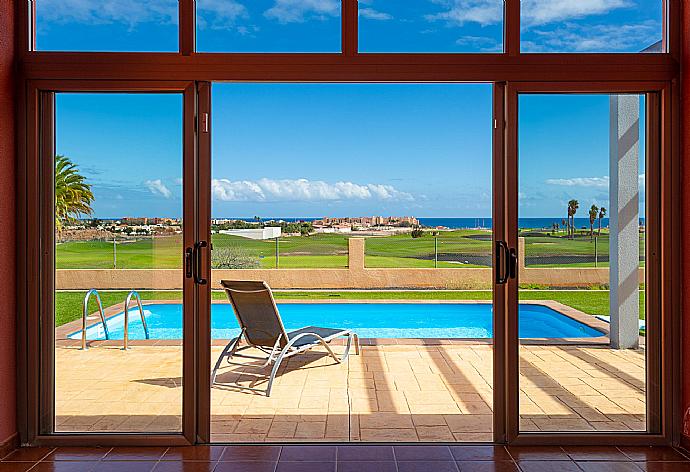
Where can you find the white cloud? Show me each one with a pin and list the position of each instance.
(540, 12)
(480, 43)
(221, 14)
(599, 182)
(301, 190)
(580, 182)
(593, 38)
(212, 13)
(157, 187)
(484, 12)
(130, 12)
(371, 14)
(534, 12)
(297, 11)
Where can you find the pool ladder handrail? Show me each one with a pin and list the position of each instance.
(85, 314)
(133, 293)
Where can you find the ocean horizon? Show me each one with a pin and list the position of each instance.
(465, 223)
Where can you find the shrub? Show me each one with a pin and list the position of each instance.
(233, 257)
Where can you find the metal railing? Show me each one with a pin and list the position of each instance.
(85, 313)
(134, 294)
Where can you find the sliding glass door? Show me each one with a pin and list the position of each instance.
(584, 327)
(403, 262)
(116, 299)
(362, 209)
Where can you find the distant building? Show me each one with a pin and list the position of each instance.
(269, 232)
(366, 221)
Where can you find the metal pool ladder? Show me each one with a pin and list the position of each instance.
(85, 313)
(134, 294)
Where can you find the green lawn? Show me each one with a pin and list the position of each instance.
(68, 305)
(326, 251)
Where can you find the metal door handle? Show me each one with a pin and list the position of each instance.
(502, 264)
(197, 262)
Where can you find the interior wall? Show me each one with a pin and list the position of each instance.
(685, 149)
(8, 424)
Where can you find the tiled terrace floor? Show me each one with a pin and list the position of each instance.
(388, 393)
(348, 458)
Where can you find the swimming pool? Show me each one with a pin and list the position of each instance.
(369, 320)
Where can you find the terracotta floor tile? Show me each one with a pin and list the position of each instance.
(365, 453)
(122, 466)
(308, 453)
(422, 453)
(479, 453)
(245, 466)
(595, 453)
(305, 467)
(484, 466)
(653, 453)
(424, 466)
(367, 466)
(66, 466)
(664, 466)
(77, 453)
(548, 466)
(135, 454)
(538, 453)
(251, 453)
(179, 466)
(193, 453)
(16, 466)
(609, 466)
(28, 454)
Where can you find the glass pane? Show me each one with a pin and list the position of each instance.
(112, 25)
(582, 233)
(268, 26)
(593, 26)
(118, 227)
(431, 26)
(348, 185)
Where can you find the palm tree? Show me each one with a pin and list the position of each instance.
(573, 205)
(73, 196)
(593, 214)
(602, 214)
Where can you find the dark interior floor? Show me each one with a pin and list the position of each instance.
(348, 458)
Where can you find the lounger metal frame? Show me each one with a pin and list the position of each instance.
(276, 355)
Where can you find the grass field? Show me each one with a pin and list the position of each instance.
(68, 305)
(331, 251)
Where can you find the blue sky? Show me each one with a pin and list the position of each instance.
(314, 25)
(311, 150)
(336, 149)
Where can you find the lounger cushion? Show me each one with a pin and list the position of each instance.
(326, 333)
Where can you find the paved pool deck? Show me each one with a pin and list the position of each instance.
(392, 392)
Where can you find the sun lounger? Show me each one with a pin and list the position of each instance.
(262, 328)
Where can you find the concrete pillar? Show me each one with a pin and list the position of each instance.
(355, 247)
(624, 242)
(521, 256)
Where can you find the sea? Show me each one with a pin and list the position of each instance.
(486, 223)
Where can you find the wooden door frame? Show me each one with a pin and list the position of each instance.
(42, 72)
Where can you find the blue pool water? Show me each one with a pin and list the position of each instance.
(369, 320)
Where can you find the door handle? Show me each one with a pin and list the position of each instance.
(198, 246)
(502, 265)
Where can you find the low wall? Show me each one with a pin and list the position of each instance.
(166, 279)
(355, 276)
